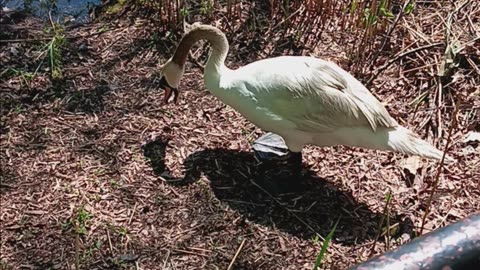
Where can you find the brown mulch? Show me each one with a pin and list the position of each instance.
(96, 170)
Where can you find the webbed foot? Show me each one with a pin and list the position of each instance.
(274, 159)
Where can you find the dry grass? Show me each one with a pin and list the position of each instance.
(85, 160)
(299, 24)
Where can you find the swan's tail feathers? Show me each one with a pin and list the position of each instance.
(404, 141)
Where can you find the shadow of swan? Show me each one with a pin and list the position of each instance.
(300, 205)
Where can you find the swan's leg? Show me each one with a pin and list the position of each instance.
(296, 159)
(290, 164)
(275, 157)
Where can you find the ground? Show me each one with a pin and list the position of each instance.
(97, 171)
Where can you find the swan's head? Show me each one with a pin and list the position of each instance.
(171, 75)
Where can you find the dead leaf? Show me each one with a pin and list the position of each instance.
(411, 164)
(410, 168)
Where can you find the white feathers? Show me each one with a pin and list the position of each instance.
(404, 141)
(311, 101)
(303, 99)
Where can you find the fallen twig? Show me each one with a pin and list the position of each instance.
(109, 242)
(133, 212)
(440, 166)
(77, 246)
(236, 255)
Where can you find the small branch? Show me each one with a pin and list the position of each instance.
(166, 260)
(133, 212)
(440, 166)
(439, 98)
(300, 9)
(109, 241)
(473, 65)
(398, 57)
(77, 246)
(51, 20)
(236, 255)
(389, 33)
(195, 61)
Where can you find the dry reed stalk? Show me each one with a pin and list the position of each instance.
(298, 24)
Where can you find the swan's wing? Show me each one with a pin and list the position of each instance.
(317, 96)
(366, 103)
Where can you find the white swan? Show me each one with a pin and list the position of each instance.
(305, 100)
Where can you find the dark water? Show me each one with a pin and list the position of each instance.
(61, 10)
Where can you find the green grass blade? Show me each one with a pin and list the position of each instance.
(325, 244)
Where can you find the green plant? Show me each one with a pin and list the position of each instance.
(54, 52)
(206, 7)
(385, 218)
(419, 99)
(103, 29)
(78, 222)
(116, 7)
(82, 217)
(369, 17)
(91, 250)
(316, 239)
(154, 40)
(114, 183)
(122, 231)
(184, 12)
(118, 263)
(325, 244)
(12, 72)
(388, 199)
(353, 7)
(409, 8)
(19, 108)
(384, 10)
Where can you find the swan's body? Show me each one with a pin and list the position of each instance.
(303, 99)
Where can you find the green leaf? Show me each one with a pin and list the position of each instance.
(385, 12)
(353, 7)
(369, 17)
(409, 8)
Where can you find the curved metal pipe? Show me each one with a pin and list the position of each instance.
(456, 246)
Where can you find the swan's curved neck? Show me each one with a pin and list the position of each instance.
(217, 40)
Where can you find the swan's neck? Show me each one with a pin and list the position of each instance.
(218, 41)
